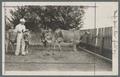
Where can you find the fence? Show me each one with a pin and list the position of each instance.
(98, 41)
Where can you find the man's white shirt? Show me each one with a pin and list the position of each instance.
(20, 28)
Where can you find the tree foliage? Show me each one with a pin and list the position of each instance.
(37, 17)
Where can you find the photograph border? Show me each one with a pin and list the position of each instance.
(56, 1)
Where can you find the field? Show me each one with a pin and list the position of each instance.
(40, 59)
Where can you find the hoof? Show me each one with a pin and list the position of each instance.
(47, 54)
(16, 54)
(23, 54)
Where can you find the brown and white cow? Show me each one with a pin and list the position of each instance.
(70, 36)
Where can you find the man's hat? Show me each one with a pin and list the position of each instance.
(22, 20)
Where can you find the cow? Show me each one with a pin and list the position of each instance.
(26, 37)
(43, 37)
(10, 39)
(70, 36)
(49, 38)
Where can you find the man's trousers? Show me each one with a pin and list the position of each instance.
(20, 46)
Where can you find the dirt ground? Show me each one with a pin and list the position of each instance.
(40, 59)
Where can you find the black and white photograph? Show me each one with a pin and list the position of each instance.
(60, 38)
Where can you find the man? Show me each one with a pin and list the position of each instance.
(20, 46)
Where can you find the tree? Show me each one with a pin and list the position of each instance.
(65, 17)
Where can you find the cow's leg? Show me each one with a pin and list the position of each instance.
(54, 46)
(48, 47)
(12, 46)
(26, 49)
(26, 46)
(6, 46)
(59, 46)
(45, 43)
(74, 47)
(55, 43)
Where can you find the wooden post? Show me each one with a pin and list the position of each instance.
(103, 38)
(96, 37)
